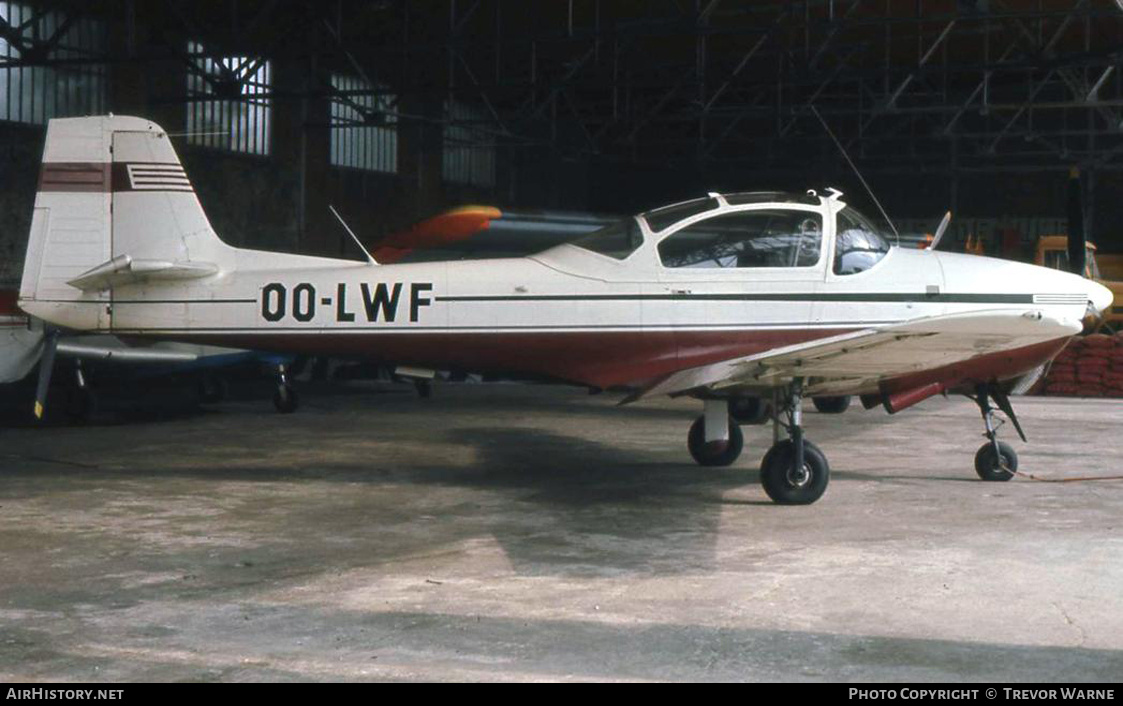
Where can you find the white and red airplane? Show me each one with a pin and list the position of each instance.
(719, 298)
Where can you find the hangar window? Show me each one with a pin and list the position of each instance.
(229, 102)
(759, 238)
(858, 245)
(364, 133)
(469, 146)
(35, 94)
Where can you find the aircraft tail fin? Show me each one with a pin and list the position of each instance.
(114, 206)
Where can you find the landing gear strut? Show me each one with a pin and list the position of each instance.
(995, 460)
(284, 399)
(81, 404)
(794, 471)
(715, 438)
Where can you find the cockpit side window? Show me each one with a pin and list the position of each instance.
(759, 238)
(617, 240)
(858, 245)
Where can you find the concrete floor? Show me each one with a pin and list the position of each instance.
(507, 532)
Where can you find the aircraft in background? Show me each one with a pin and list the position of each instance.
(762, 294)
(26, 343)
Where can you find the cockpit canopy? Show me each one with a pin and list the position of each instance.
(773, 230)
(771, 237)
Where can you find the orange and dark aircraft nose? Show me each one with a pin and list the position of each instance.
(440, 230)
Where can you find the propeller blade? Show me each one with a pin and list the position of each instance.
(940, 231)
(46, 367)
(1076, 235)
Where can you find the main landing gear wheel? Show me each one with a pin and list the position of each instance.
(994, 465)
(285, 399)
(748, 410)
(212, 389)
(794, 471)
(714, 453)
(788, 485)
(831, 405)
(81, 404)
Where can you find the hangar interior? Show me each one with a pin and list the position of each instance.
(393, 111)
(528, 532)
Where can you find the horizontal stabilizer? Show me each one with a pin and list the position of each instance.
(125, 270)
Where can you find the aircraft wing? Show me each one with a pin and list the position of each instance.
(839, 363)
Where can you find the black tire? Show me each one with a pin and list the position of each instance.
(715, 453)
(748, 410)
(212, 389)
(424, 389)
(987, 466)
(831, 405)
(81, 405)
(285, 399)
(780, 483)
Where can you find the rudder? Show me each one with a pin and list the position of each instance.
(114, 207)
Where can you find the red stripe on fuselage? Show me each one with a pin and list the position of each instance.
(9, 304)
(1004, 365)
(605, 358)
(597, 358)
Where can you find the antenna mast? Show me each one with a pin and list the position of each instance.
(350, 232)
(860, 177)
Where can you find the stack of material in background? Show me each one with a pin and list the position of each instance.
(1091, 366)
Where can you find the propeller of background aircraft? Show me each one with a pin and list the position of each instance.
(46, 368)
(1076, 235)
(943, 227)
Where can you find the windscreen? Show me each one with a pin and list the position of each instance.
(858, 243)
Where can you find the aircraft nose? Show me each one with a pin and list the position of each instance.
(1100, 296)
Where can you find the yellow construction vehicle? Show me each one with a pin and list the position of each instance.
(1052, 251)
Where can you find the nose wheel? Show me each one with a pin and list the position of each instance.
(995, 460)
(996, 465)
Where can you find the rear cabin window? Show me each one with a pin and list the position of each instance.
(759, 238)
(858, 245)
(617, 240)
(662, 218)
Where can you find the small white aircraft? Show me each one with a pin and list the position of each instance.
(726, 296)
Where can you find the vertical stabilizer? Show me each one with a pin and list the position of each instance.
(114, 205)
